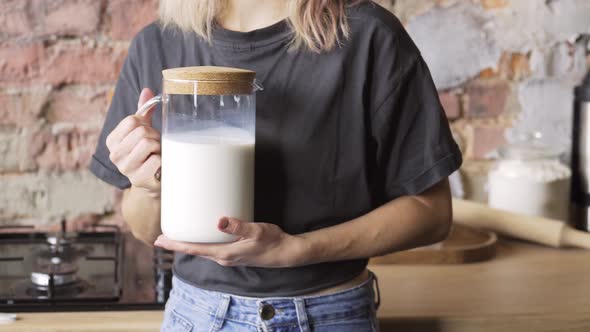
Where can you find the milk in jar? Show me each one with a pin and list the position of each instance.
(206, 175)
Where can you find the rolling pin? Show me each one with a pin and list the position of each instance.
(541, 230)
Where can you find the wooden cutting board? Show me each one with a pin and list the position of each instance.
(463, 245)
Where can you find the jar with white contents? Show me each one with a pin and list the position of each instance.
(529, 178)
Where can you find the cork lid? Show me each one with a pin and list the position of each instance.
(208, 80)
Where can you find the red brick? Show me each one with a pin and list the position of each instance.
(78, 104)
(486, 140)
(486, 99)
(493, 4)
(66, 149)
(19, 62)
(520, 67)
(127, 17)
(514, 66)
(37, 142)
(13, 152)
(22, 107)
(14, 18)
(451, 104)
(79, 63)
(488, 73)
(71, 17)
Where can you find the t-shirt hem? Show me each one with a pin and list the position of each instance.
(299, 292)
(442, 168)
(107, 175)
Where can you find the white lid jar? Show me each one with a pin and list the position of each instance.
(529, 178)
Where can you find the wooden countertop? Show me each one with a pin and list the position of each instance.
(525, 288)
(96, 321)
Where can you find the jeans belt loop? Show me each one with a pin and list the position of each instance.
(221, 312)
(301, 314)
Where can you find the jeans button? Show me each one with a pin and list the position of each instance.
(267, 311)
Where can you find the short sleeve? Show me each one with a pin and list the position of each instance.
(123, 103)
(414, 144)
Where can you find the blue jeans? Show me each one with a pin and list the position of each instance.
(193, 309)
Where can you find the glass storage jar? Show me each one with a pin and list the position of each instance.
(208, 136)
(529, 178)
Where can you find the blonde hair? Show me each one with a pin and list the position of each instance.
(317, 24)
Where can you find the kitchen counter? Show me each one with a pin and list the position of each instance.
(525, 288)
(98, 321)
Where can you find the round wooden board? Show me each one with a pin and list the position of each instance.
(463, 245)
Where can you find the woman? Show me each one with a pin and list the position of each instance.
(352, 156)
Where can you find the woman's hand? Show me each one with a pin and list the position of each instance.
(259, 244)
(134, 147)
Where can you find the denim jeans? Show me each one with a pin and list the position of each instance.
(193, 309)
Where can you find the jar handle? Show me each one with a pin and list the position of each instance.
(142, 111)
(148, 104)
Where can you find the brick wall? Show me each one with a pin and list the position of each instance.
(59, 59)
(503, 68)
(498, 64)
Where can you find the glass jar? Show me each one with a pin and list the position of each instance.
(529, 178)
(208, 137)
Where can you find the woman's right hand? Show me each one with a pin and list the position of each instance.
(134, 147)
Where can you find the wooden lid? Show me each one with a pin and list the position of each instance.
(208, 80)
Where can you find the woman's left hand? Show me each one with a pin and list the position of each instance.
(258, 244)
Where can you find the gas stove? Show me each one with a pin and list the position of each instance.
(99, 268)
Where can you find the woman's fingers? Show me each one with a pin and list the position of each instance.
(134, 147)
(130, 142)
(131, 122)
(150, 166)
(239, 228)
(139, 154)
(145, 174)
(196, 249)
(261, 244)
(227, 254)
(122, 130)
(145, 95)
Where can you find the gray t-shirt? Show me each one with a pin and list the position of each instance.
(337, 134)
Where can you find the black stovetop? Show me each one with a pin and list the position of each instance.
(99, 268)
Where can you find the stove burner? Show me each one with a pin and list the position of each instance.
(65, 291)
(55, 272)
(43, 280)
(62, 241)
